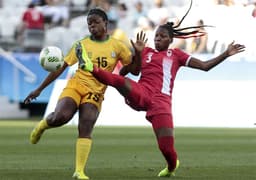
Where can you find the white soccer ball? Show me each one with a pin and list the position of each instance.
(51, 58)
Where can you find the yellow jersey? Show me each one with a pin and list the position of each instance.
(104, 54)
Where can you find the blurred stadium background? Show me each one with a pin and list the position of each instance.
(225, 95)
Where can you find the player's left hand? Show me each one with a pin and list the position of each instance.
(141, 41)
(234, 48)
(32, 95)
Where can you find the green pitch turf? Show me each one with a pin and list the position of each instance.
(126, 153)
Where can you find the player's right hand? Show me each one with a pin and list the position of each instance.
(141, 41)
(33, 95)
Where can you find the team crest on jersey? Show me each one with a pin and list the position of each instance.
(169, 53)
(113, 54)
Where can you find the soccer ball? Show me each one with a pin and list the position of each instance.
(51, 58)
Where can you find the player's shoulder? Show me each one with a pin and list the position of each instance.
(82, 40)
(177, 51)
(148, 50)
(85, 38)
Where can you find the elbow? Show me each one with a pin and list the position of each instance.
(205, 68)
(136, 73)
(135, 69)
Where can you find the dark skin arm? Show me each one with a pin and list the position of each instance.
(49, 79)
(231, 50)
(135, 66)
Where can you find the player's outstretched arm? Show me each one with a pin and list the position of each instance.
(135, 66)
(231, 50)
(50, 78)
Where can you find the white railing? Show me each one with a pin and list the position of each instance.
(30, 77)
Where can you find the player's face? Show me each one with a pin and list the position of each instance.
(162, 39)
(97, 26)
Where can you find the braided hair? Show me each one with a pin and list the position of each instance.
(176, 32)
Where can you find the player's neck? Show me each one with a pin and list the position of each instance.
(102, 38)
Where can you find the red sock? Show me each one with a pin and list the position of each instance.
(166, 145)
(108, 78)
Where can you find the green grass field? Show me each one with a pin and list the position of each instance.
(125, 153)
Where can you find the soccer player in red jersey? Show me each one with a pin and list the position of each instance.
(153, 92)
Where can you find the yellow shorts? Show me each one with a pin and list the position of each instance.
(81, 94)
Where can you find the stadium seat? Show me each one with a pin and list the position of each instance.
(78, 8)
(57, 37)
(16, 3)
(33, 40)
(79, 21)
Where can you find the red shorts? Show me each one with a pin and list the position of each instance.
(141, 98)
(138, 97)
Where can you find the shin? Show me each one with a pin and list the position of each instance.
(163, 128)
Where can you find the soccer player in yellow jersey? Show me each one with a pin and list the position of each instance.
(83, 92)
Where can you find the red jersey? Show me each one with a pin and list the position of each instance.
(158, 73)
(33, 19)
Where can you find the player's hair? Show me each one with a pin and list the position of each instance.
(99, 12)
(176, 32)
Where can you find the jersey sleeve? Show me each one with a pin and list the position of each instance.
(145, 51)
(125, 54)
(71, 58)
(183, 57)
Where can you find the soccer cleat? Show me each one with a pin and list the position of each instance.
(36, 134)
(79, 175)
(166, 173)
(84, 61)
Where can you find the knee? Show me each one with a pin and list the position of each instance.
(58, 119)
(88, 114)
(85, 127)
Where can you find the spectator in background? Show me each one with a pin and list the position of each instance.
(93, 3)
(158, 14)
(198, 44)
(56, 13)
(122, 10)
(110, 10)
(31, 19)
(118, 33)
(139, 12)
(39, 2)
